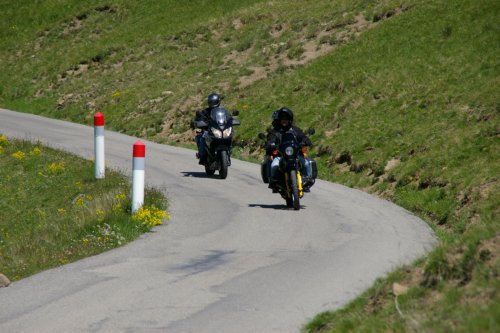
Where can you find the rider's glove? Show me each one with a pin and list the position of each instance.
(304, 150)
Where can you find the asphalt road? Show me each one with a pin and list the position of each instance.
(232, 258)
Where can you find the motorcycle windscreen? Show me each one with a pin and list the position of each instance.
(288, 139)
(220, 116)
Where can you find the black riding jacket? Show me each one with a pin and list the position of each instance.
(203, 115)
(274, 138)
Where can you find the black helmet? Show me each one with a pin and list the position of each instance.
(274, 115)
(214, 100)
(285, 113)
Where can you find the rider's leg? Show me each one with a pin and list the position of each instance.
(200, 142)
(197, 140)
(306, 172)
(268, 168)
(274, 169)
(306, 167)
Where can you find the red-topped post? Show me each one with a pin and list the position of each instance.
(99, 145)
(138, 168)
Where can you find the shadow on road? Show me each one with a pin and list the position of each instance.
(281, 207)
(205, 263)
(197, 174)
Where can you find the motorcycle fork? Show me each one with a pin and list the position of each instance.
(299, 185)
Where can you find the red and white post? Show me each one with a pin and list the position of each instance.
(99, 145)
(138, 167)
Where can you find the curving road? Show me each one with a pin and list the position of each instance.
(232, 259)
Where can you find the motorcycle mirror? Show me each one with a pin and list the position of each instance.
(236, 112)
(200, 124)
(311, 131)
(262, 136)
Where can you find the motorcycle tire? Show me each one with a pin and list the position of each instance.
(223, 164)
(295, 190)
(209, 171)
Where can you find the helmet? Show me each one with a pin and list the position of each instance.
(285, 113)
(214, 100)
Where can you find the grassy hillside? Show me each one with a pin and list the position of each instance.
(403, 96)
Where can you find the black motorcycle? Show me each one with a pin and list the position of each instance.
(290, 184)
(218, 138)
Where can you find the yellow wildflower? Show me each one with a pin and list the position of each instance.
(54, 168)
(150, 215)
(80, 201)
(3, 140)
(19, 155)
(120, 197)
(100, 214)
(117, 207)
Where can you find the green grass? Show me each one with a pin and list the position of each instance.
(53, 211)
(415, 87)
(455, 309)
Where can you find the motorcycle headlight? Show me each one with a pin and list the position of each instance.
(289, 151)
(227, 132)
(217, 133)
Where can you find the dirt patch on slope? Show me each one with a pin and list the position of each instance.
(184, 109)
(322, 43)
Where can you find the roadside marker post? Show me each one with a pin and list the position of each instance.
(138, 167)
(99, 145)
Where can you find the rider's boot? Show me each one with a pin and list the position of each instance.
(307, 182)
(273, 185)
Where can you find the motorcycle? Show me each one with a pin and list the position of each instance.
(218, 136)
(290, 184)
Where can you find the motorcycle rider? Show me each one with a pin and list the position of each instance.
(275, 125)
(213, 100)
(282, 123)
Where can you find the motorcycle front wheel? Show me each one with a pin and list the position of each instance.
(223, 164)
(209, 171)
(295, 190)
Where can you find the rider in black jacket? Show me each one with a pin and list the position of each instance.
(214, 100)
(284, 123)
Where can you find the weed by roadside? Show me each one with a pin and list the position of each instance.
(53, 211)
